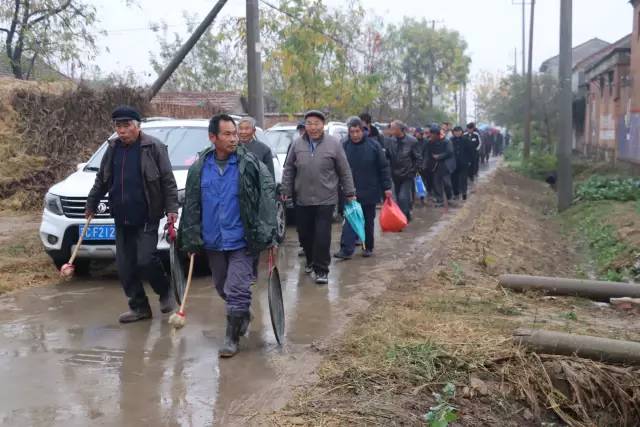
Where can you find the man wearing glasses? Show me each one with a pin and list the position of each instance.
(137, 174)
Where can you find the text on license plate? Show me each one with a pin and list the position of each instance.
(99, 232)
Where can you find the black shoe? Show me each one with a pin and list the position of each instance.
(232, 336)
(341, 255)
(464, 197)
(135, 315)
(308, 268)
(322, 278)
(167, 303)
(367, 253)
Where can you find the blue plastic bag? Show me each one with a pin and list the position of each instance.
(354, 215)
(421, 191)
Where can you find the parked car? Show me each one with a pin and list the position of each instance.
(64, 204)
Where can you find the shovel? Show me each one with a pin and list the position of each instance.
(276, 306)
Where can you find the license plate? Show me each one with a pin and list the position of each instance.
(99, 232)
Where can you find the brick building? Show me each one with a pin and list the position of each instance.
(608, 91)
(630, 145)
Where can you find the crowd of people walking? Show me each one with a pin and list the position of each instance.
(229, 204)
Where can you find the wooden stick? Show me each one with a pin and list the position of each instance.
(186, 291)
(84, 230)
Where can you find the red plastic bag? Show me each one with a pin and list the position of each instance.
(391, 217)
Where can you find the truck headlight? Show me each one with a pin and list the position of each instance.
(52, 204)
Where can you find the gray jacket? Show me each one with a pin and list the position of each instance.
(313, 177)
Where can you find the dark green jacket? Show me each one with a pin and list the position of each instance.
(257, 204)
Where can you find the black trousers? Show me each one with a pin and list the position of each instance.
(459, 180)
(348, 239)
(137, 259)
(442, 185)
(314, 230)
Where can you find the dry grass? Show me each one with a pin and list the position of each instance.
(455, 325)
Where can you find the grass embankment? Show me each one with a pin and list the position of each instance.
(605, 220)
(448, 331)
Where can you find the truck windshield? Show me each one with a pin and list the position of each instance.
(183, 144)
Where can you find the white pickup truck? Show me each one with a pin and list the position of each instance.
(64, 204)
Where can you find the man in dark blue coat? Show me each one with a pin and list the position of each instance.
(372, 177)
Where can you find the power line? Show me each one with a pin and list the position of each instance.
(314, 29)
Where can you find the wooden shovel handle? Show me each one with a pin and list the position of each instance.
(84, 230)
(186, 290)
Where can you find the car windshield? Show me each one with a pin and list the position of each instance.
(279, 140)
(183, 144)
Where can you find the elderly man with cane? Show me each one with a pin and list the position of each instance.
(137, 174)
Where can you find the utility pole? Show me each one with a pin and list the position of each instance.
(515, 61)
(527, 123)
(565, 184)
(184, 50)
(524, 13)
(254, 63)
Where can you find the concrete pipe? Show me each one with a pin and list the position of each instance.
(593, 289)
(588, 347)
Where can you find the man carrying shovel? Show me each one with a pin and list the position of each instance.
(137, 174)
(230, 214)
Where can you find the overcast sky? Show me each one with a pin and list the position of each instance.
(492, 28)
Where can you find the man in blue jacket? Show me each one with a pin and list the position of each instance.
(229, 212)
(371, 176)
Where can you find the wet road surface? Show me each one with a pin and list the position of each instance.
(65, 360)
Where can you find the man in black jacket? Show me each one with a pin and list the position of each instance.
(371, 176)
(445, 163)
(137, 174)
(405, 157)
(476, 142)
(463, 151)
(247, 136)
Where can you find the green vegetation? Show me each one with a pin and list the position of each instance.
(569, 315)
(538, 166)
(608, 188)
(443, 413)
(611, 255)
(417, 360)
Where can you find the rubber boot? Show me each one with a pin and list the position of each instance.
(232, 337)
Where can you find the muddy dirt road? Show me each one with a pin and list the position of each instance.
(65, 360)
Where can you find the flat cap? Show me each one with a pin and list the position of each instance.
(125, 112)
(315, 113)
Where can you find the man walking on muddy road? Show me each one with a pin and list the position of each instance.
(137, 174)
(230, 213)
(314, 170)
(247, 137)
(371, 176)
(404, 154)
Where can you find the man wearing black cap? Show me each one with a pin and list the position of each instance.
(315, 167)
(137, 174)
(463, 151)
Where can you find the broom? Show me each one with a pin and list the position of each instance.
(178, 320)
(67, 270)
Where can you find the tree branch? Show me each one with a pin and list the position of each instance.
(47, 13)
